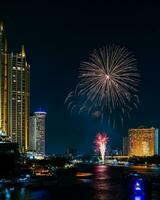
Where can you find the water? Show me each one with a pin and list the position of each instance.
(102, 183)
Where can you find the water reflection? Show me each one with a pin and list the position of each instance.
(109, 183)
(140, 186)
(138, 189)
(96, 183)
(7, 194)
(101, 184)
(138, 197)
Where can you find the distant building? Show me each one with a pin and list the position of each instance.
(70, 152)
(37, 132)
(125, 146)
(143, 141)
(116, 152)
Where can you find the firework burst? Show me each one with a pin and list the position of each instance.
(107, 84)
(101, 142)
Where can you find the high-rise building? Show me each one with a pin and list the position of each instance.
(3, 79)
(14, 93)
(143, 141)
(37, 132)
(18, 98)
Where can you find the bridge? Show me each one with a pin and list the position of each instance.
(118, 157)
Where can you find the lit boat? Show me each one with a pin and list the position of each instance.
(83, 174)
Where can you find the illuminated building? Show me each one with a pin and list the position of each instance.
(143, 141)
(18, 98)
(3, 79)
(37, 132)
(14, 93)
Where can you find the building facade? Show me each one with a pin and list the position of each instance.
(3, 79)
(14, 93)
(143, 142)
(18, 98)
(37, 132)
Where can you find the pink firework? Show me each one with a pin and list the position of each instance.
(101, 142)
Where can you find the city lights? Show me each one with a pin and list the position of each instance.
(79, 100)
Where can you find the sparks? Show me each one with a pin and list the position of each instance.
(107, 83)
(101, 141)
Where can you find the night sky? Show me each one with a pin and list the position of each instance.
(59, 36)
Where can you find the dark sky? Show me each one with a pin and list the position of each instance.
(58, 36)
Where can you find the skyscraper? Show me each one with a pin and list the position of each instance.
(14, 93)
(3, 79)
(37, 132)
(143, 141)
(18, 98)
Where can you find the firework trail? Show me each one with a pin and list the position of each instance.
(101, 142)
(107, 84)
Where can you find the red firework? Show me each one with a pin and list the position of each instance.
(101, 141)
(101, 138)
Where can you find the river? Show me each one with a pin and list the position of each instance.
(99, 183)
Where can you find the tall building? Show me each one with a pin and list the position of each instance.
(3, 79)
(37, 132)
(18, 98)
(143, 141)
(14, 93)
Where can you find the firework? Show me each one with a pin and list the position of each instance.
(101, 142)
(107, 84)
